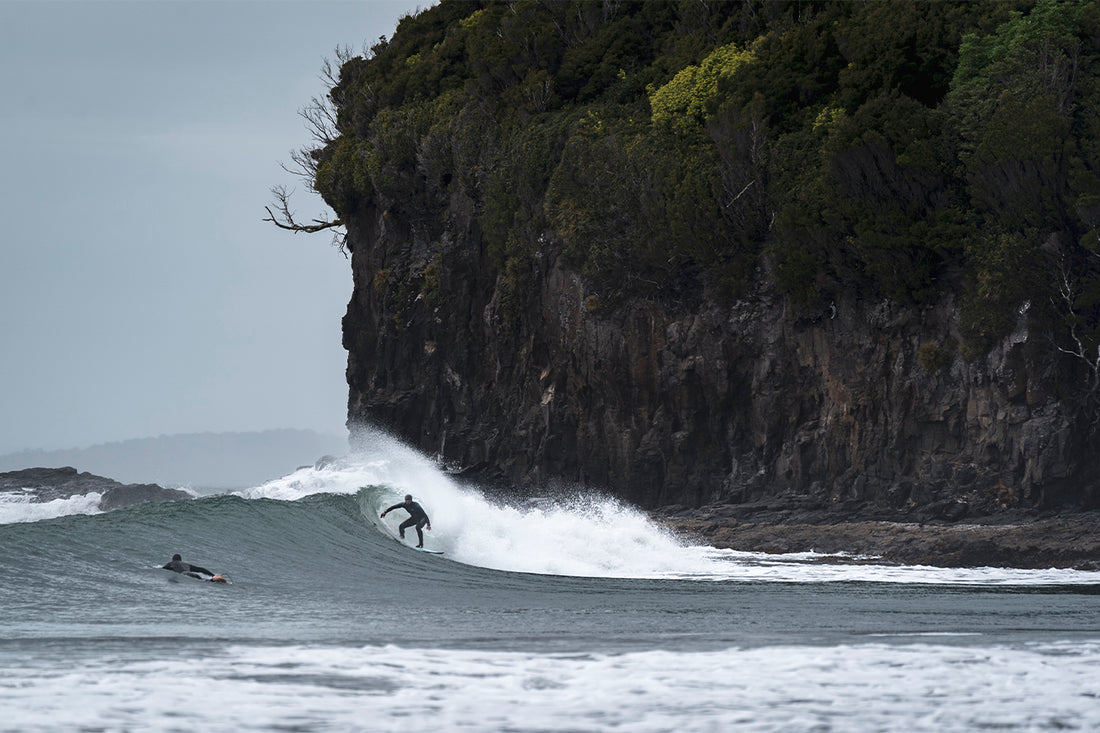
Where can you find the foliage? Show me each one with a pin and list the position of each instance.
(669, 149)
(1007, 272)
(688, 95)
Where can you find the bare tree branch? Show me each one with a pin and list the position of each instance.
(283, 218)
(321, 118)
(1080, 351)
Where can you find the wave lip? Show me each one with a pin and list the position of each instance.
(586, 535)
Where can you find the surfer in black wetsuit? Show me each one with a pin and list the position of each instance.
(177, 565)
(417, 516)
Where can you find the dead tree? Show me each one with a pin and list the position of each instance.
(1082, 349)
(320, 116)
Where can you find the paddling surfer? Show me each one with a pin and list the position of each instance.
(177, 565)
(417, 516)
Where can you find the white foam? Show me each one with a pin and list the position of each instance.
(582, 536)
(590, 536)
(16, 508)
(882, 687)
(388, 462)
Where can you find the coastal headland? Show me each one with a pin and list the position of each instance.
(767, 264)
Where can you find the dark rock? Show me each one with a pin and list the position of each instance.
(49, 484)
(120, 496)
(1009, 539)
(953, 510)
(666, 404)
(538, 380)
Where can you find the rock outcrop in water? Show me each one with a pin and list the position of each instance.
(49, 484)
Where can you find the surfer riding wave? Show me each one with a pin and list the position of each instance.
(417, 517)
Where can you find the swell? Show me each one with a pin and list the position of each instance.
(318, 531)
(249, 540)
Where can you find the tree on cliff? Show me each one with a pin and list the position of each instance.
(284, 218)
(670, 149)
(320, 121)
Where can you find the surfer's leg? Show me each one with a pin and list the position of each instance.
(407, 523)
(420, 533)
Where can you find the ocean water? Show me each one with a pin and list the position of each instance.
(565, 615)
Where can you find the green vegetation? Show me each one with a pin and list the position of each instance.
(669, 149)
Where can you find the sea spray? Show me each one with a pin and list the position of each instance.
(584, 534)
(581, 535)
(22, 507)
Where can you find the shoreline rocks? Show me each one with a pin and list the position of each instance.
(51, 484)
(1028, 539)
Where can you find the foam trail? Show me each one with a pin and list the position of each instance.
(586, 535)
(920, 687)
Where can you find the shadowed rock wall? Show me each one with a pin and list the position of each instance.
(544, 385)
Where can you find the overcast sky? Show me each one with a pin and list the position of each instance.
(140, 292)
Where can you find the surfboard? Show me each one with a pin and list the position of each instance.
(401, 542)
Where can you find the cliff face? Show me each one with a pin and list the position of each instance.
(862, 402)
(664, 249)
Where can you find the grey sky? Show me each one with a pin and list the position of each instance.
(140, 292)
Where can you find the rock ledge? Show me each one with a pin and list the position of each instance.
(1017, 539)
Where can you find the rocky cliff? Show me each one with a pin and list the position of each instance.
(862, 401)
(838, 254)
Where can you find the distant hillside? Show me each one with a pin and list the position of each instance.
(198, 460)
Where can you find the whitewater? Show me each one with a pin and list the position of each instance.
(564, 613)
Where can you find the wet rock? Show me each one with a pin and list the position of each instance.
(50, 484)
(540, 381)
(1061, 539)
(125, 495)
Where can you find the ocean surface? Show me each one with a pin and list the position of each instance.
(555, 615)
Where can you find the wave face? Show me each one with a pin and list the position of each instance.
(571, 614)
(583, 535)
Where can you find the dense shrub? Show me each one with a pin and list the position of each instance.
(667, 149)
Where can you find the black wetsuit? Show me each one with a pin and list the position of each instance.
(179, 566)
(417, 516)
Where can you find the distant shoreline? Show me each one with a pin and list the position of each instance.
(1029, 539)
(227, 459)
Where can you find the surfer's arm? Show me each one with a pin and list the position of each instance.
(395, 506)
